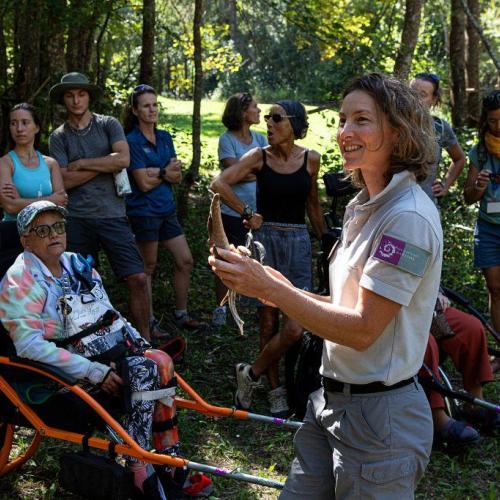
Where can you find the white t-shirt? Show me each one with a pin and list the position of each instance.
(392, 245)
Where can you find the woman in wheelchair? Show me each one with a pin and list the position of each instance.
(48, 296)
(460, 336)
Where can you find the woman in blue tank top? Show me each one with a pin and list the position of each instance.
(25, 176)
(286, 188)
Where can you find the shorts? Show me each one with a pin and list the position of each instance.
(152, 228)
(288, 250)
(114, 236)
(235, 230)
(486, 244)
(355, 446)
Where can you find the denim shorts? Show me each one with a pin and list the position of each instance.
(486, 244)
(155, 228)
(288, 250)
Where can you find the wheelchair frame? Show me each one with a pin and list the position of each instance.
(127, 446)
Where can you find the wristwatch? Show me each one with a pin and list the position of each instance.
(161, 173)
(247, 213)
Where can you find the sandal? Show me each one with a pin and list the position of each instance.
(456, 435)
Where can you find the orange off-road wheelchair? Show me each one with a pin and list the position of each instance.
(74, 416)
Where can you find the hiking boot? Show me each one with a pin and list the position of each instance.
(246, 386)
(186, 322)
(455, 435)
(278, 402)
(219, 316)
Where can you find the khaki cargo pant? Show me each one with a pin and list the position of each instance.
(367, 446)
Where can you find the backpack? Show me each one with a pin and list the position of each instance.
(302, 377)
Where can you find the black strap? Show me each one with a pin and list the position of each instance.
(107, 320)
(85, 443)
(171, 383)
(112, 451)
(165, 425)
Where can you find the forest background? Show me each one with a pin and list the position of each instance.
(197, 53)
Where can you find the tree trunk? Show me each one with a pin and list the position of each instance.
(238, 41)
(194, 169)
(474, 21)
(457, 63)
(81, 29)
(52, 60)
(409, 37)
(148, 42)
(98, 67)
(29, 23)
(3, 51)
(473, 55)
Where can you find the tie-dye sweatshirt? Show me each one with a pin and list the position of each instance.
(28, 299)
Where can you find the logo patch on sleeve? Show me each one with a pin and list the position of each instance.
(402, 255)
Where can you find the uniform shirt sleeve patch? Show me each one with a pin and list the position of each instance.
(402, 255)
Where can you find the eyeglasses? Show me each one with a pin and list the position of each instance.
(44, 230)
(276, 117)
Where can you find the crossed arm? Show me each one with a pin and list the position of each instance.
(80, 171)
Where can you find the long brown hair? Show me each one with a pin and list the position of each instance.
(129, 119)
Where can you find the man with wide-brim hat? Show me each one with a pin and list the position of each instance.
(72, 81)
(90, 148)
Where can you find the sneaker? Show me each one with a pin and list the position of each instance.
(186, 322)
(157, 333)
(198, 485)
(246, 386)
(219, 317)
(456, 435)
(278, 402)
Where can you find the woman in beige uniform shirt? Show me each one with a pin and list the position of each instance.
(368, 432)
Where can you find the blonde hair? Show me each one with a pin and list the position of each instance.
(415, 149)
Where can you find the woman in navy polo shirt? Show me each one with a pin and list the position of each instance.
(151, 208)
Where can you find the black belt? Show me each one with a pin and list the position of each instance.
(335, 386)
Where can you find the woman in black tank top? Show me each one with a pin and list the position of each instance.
(286, 188)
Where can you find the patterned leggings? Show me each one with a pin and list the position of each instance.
(143, 419)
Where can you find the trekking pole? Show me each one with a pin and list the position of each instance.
(435, 384)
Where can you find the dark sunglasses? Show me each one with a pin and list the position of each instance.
(142, 87)
(430, 76)
(137, 90)
(44, 230)
(245, 98)
(492, 99)
(276, 117)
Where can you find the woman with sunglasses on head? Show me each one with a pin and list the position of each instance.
(367, 432)
(240, 113)
(151, 209)
(427, 85)
(286, 189)
(26, 175)
(483, 185)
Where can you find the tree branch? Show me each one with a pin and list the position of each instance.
(481, 34)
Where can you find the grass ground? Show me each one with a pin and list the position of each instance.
(256, 448)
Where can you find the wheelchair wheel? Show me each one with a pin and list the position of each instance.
(451, 406)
